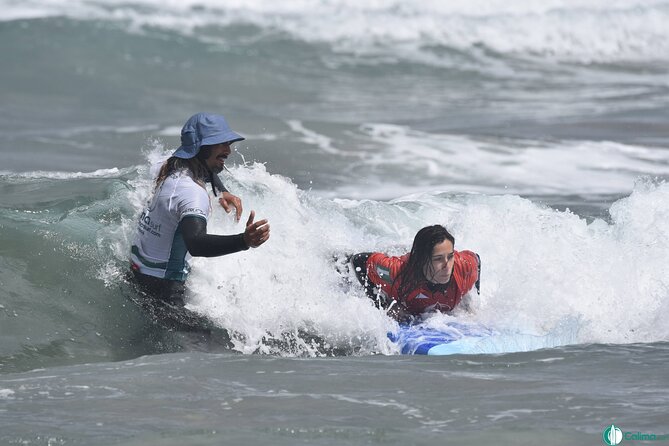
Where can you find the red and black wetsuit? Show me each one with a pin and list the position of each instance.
(382, 272)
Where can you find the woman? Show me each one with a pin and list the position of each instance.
(432, 277)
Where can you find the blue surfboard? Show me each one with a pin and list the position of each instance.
(452, 339)
(469, 338)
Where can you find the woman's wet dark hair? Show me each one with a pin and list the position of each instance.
(421, 254)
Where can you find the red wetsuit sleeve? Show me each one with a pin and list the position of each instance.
(465, 270)
(382, 270)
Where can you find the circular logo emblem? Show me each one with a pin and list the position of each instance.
(612, 435)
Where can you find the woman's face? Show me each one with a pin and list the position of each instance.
(440, 266)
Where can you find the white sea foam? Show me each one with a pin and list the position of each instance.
(580, 30)
(549, 268)
(545, 272)
(397, 160)
(6, 394)
(113, 172)
(288, 285)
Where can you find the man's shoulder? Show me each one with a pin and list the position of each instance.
(180, 176)
(182, 181)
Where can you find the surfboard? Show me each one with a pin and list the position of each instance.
(451, 339)
(468, 338)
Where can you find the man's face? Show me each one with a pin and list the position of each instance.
(219, 153)
(440, 266)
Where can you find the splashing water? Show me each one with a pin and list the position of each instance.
(545, 272)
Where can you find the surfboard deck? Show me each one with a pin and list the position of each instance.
(451, 339)
(470, 339)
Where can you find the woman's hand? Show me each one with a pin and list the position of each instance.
(400, 313)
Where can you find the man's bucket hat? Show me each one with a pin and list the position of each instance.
(204, 129)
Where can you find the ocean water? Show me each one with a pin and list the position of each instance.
(537, 132)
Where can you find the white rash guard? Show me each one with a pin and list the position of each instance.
(159, 249)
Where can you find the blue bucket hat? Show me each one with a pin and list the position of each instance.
(204, 129)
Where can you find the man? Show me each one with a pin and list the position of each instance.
(173, 227)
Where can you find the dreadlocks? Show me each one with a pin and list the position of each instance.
(196, 167)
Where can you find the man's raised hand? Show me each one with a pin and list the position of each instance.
(256, 233)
